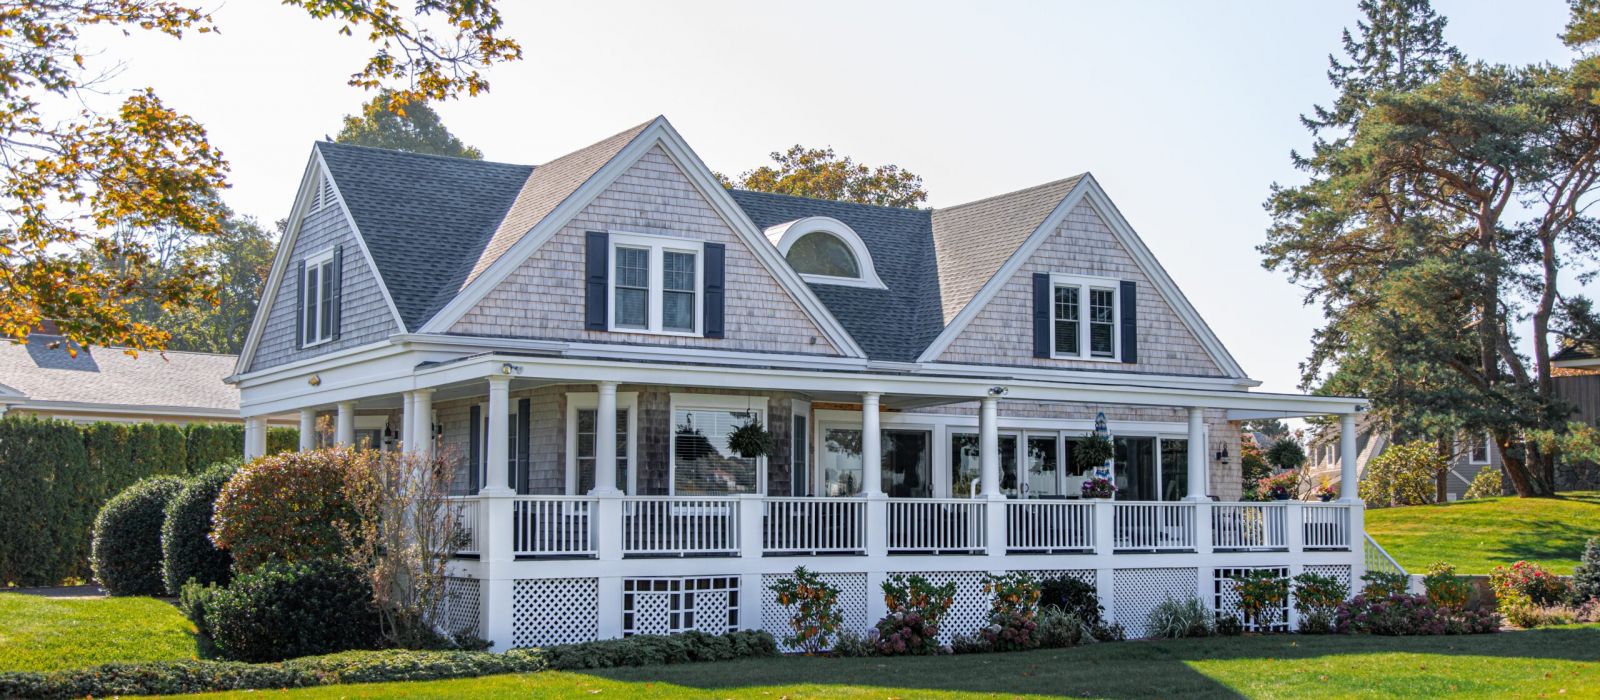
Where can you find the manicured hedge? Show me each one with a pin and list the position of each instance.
(55, 476)
(187, 553)
(174, 677)
(127, 537)
(283, 610)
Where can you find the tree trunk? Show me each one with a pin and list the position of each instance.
(1442, 479)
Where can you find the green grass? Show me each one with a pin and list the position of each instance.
(1546, 662)
(1478, 535)
(47, 634)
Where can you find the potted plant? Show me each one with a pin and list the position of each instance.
(1098, 487)
(1325, 492)
(1092, 452)
(751, 439)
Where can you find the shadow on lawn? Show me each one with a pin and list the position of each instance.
(1124, 670)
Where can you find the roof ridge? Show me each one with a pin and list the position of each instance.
(14, 341)
(1013, 193)
(636, 129)
(833, 201)
(414, 154)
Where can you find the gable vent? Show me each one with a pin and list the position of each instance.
(324, 196)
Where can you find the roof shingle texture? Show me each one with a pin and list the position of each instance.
(109, 376)
(971, 241)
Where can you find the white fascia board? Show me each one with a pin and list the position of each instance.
(312, 364)
(280, 263)
(623, 351)
(1580, 362)
(1085, 375)
(128, 409)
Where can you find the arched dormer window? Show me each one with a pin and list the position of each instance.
(825, 251)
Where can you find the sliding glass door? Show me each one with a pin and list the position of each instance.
(907, 462)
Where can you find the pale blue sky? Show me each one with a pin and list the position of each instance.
(1184, 111)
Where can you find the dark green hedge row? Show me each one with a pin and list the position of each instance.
(55, 475)
(174, 677)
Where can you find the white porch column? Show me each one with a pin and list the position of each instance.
(497, 451)
(989, 445)
(1197, 455)
(422, 425)
(871, 445)
(1349, 481)
(255, 437)
(605, 440)
(495, 501)
(308, 429)
(407, 409)
(344, 434)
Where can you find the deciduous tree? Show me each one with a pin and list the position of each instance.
(820, 173)
(414, 127)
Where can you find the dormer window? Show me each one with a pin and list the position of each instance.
(317, 308)
(1085, 318)
(825, 250)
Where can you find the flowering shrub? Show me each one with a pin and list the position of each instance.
(287, 507)
(1262, 595)
(816, 616)
(1317, 599)
(1530, 581)
(1012, 616)
(1444, 588)
(1098, 487)
(1280, 486)
(1404, 615)
(915, 609)
(1382, 584)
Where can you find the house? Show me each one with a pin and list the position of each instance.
(108, 384)
(1472, 456)
(1575, 369)
(583, 336)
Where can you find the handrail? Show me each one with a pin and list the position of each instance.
(1377, 558)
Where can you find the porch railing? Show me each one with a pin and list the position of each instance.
(1050, 526)
(1377, 558)
(1326, 526)
(814, 526)
(679, 526)
(553, 526)
(1249, 526)
(1153, 527)
(936, 525)
(465, 510)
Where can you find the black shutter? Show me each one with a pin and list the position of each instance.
(1130, 321)
(474, 448)
(300, 305)
(338, 290)
(715, 295)
(597, 265)
(519, 480)
(1041, 314)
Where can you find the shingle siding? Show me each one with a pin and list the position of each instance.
(365, 318)
(1001, 332)
(544, 297)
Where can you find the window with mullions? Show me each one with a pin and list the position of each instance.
(633, 288)
(1066, 320)
(1086, 316)
(586, 447)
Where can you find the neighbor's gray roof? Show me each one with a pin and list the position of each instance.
(435, 223)
(111, 377)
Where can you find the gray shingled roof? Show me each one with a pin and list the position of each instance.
(109, 376)
(971, 241)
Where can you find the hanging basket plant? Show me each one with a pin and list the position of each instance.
(1092, 451)
(751, 440)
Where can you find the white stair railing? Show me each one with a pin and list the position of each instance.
(1378, 559)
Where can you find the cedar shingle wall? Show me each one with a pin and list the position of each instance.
(544, 298)
(1002, 333)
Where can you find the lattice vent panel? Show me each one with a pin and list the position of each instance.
(1084, 575)
(1227, 597)
(969, 611)
(1135, 592)
(852, 604)
(672, 605)
(461, 605)
(1338, 572)
(548, 611)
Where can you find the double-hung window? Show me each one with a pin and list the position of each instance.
(1086, 315)
(317, 312)
(656, 284)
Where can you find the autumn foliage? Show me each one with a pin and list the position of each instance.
(816, 618)
(289, 507)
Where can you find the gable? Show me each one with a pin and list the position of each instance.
(543, 296)
(1082, 243)
(365, 315)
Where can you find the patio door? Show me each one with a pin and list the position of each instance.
(1043, 459)
(1137, 474)
(908, 463)
(965, 472)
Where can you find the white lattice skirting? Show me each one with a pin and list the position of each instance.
(852, 604)
(1227, 597)
(548, 611)
(1136, 592)
(461, 605)
(673, 605)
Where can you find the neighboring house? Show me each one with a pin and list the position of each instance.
(107, 384)
(1324, 456)
(1576, 371)
(583, 336)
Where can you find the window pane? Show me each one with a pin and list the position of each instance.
(1042, 465)
(703, 465)
(841, 462)
(1174, 469)
(677, 270)
(1066, 314)
(309, 313)
(1102, 324)
(586, 443)
(632, 307)
(677, 311)
(799, 438)
(907, 465)
(964, 465)
(633, 267)
(823, 254)
(325, 326)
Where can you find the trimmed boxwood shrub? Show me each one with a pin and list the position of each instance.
(127, 537)
(288, 609)
(187, 553)
(287, 507)
(647, 650)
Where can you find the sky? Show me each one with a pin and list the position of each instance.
(1185, 112)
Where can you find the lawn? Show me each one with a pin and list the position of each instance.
(1477, 535)
(47, 634)
(1546, 662)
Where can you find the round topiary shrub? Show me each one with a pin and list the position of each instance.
(126, 552)
(287, 507)
(187, 552)
(288, 609)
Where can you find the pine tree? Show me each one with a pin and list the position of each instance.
(1586, 578)
(1400, 46)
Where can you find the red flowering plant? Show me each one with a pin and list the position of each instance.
(1098, 487)
(915, 609)
(1525, 580)
(816, 618)
(1013, 609)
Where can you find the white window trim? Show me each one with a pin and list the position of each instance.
(784, 237)
(713, 402)
(315, 261)
(657, 245)
(483, 441)
(1488, 452)
(580, 401)
(1084, 283)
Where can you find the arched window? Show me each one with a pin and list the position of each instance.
(822, 253)
(824, 250)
